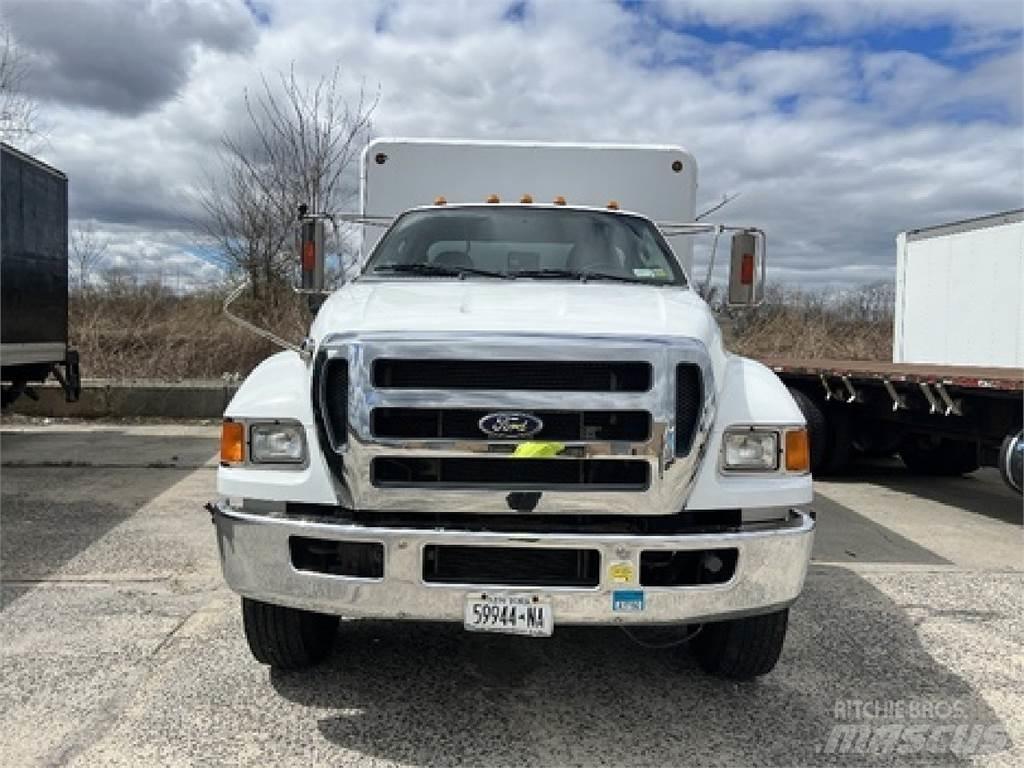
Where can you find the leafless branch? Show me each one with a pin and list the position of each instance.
(299, 145)
(87, 252)
(19, 116)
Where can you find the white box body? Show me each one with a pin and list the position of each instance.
(399, 174)
(959, 290)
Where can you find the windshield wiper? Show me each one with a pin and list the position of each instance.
(576, 275)
(437, 270)
(541, 273)
(619, 278)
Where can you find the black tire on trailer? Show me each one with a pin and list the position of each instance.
(828, 430)
(943, 457)
(287, 638)
(7, 396)
(817, 429)
(741, 649)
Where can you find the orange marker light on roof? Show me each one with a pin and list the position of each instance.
(527, 199)
(232, 442)
(613, 205)
(559, 200)
(439, 200)
(493, 199)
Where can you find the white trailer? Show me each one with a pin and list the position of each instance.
(959, 290)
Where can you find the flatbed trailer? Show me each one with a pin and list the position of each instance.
(941, 419)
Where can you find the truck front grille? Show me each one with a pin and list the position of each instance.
(511, 473)
(462, 423)
(544, 375)
(511, 566)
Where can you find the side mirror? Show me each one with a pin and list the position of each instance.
(746, 269)
(311, 255)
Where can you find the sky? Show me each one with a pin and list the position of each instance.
(840, 123)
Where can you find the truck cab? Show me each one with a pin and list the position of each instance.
(519, 415)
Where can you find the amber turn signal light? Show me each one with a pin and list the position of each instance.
(232, 442)
(798, 451)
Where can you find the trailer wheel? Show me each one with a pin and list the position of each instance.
(943, 457)
(287, 638)
(828, 433)
(741, 649)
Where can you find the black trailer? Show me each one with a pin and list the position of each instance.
(34, 276)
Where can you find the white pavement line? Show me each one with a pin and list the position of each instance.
(15, 464)
(862, 567)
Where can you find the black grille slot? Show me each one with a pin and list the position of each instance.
(511, 566)
(560, 375)
(689, 394)
(362, 559)
(459, 423)
(507, 473)
(687, 568)
(335, 400)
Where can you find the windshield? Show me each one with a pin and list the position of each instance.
(540, 243)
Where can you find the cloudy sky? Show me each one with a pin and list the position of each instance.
(841, 123)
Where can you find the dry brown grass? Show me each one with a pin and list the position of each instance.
(797, 325)
(149, 332)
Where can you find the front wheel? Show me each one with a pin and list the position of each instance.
(741, 649)
(287, 638)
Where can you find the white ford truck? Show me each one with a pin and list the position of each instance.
(518, 415)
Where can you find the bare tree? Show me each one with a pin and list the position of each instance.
(19, 117)
(299, 146)
(88, 252)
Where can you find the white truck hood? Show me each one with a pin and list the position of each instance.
(519, 306)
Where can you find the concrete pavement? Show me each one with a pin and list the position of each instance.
(119, 644)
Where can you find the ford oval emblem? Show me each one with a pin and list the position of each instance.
(510, 425)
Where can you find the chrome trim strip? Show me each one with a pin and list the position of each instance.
(254, 553)
(672, 476)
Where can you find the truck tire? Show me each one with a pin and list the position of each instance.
(828, 433)
(287, 638)
(942, 458)
(741, 649)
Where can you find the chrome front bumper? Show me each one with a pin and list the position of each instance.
(254, 550)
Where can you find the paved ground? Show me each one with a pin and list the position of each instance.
(119, 645)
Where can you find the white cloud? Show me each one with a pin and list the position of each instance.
(835, 147)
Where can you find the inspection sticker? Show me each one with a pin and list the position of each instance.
(627, 600)
(621, 572)
(643, 272)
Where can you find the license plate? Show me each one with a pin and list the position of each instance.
(510, 614)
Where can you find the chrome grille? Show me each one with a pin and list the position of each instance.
(630, 427)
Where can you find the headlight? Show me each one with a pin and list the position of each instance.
(277, 444)
(750, 450)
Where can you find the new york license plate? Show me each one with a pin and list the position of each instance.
(514, 614)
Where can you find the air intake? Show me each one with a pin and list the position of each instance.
(334, 400)
(689, 394)
(543, 375)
